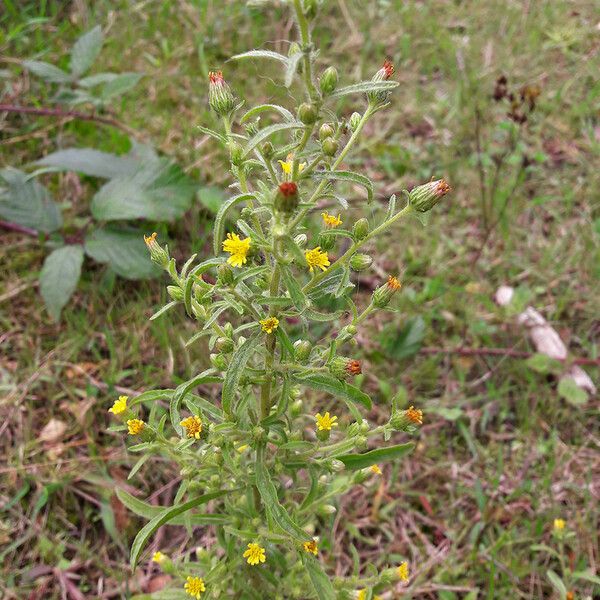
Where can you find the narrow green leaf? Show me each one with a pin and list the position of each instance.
(364, 87)
(263, 134)
(557, 584)
(324, 382)
(373, 457)
(151, 396)
(184, 389)
(293, 286)
(291, 67)
(319, 579)
(165, 516)
(236, 369)
(284, 112)
(262, 54)
(350, 176)
(120, 84)
(220, 219)
(59, 277)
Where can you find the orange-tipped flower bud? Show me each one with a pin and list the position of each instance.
(220, 97)
(424, 197)
(384, 293)
(286, 197)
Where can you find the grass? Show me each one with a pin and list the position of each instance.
(501, 454)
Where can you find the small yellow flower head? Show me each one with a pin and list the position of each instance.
(149, 239)
(270, 324)
(414, 415)
(559, 524)
(375, 469)
(394, 283)
(255, 554)
(135, 426)
(325, 422)
(331, 220)
(119, 406)
(192, 426)
(402, 571)
(288, 165)
(238, 249)
(194, 587)
(311, 547)
(158, 557)
(242, 448)
(316, 258)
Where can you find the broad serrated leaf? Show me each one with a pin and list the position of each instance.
(91, 162)
(364, 87)
(59, 277)
(324, 382)
(284, 112)
(26, 202)
(267, 132)
(85, 50)
(220, 219)
(123, 251)
(47, 71)
(275, 510)
(238, 363)
(141, 539)
(159, 191)
(262, 54)
(373, 457)
(120, 84)
(349, 176)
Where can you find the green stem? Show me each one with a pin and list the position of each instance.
(305, 38)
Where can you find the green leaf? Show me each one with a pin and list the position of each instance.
(373, 457)
(542, 363)
(334, 283)
(262, 54)
(220, 219)
(557, 583)
(150, 511)
(151, 396)
(319, 579)
(211, 197)
(266, 132)
(120, 84)
(123, 251)
(85, 50)
(165, 516)
(47, 71)
(350, 176)
(587, 576)
(296, 294)
(291, 67)
(26, 202)
(571, 392)
(324, 382)
(284, 112)
(275, 510)
(59, 277)
(239, 359)
(90, 162)
(407, 341)
(184, 389)
(158, 191)
(365, 86)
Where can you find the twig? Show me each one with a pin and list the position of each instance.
(18, 228)
(73, 114)
(593, 362)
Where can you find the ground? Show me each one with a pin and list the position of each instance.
(501, 453)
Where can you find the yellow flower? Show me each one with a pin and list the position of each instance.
(194, 587)
(559, 524)
(363, 594)
(325, 422)
(311, 547)
(255, 554)
(135, 426)
(193, 426)
(288, 165)
(158, 557)
(394, 283)
(242, 448)
(238, 249)
(375, 469)
(150, 238)
(119, 406)
(402, 571)
(331, 220)
(270, 324)
(415, 415)
(316, 258)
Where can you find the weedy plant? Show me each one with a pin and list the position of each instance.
(269, 469)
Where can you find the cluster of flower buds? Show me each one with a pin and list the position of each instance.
(424, 197)
(220, 97)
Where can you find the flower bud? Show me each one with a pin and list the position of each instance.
(224, 344)
(220, 98)
(268, 150)
(296, 392)
(406, 420)
(361, 476)
(329, 80)
(158, 254)
(337, 466)
(218, 361)
(360, 262)
(175, 292)
(307, 113)
(252, 127)
(329, 146)
(328, 509)
(325, 131)
(424, 197)
(326, 241)
(301, 240)
(297, 408)
(302, 348)
(259, 434)
(361, 229)
(286, 197)
(386, 71)
(383, 294)
(323, 434)
(225, 274)
(341, 367)
(361, 442)
(236, 153)
(353, 429)
(364, 426)
(354, 121)
(310, 8)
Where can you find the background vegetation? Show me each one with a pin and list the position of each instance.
(502, 453)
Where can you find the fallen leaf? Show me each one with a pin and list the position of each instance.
(53, 431)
